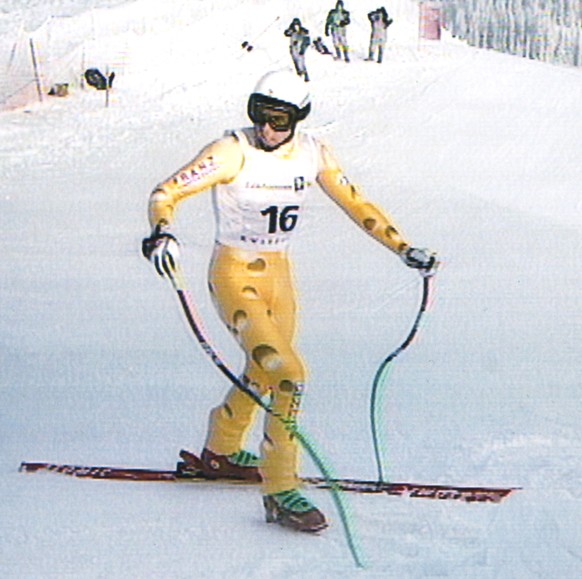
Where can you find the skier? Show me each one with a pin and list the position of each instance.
(380, 21)
(260, 177)
(337, 20)
(299, 41)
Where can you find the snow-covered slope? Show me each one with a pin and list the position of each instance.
(476, 155)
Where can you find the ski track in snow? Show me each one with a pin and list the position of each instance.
(476, 154)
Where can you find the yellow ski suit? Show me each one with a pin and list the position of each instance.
(250, 275)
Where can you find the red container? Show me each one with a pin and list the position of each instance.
(430, 21)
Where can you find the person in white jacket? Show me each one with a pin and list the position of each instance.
(380, 21)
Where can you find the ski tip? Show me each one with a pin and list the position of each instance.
(32, 466)
(190, 463)
(188, 455)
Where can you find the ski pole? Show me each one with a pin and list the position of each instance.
(379, 378)
(35, 68)
(178, 282)
(248, 45)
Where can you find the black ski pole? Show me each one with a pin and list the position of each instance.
(249, 45)
(179, 284)
(380, 373)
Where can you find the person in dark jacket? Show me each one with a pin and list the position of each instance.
(299, 41)
(337, 20)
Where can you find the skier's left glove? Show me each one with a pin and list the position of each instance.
(423, 260)
(163, 250)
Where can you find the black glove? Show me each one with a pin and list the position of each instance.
(422, 259)
(162, 249)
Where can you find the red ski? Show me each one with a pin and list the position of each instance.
(187, 473)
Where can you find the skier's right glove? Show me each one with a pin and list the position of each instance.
(423, 260)
(163, 250)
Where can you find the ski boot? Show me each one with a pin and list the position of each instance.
(291, 509)
(241, 465)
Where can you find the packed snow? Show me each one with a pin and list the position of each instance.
(476, 154)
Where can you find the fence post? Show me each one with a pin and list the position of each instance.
(36, 73)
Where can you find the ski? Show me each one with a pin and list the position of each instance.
(472, 494)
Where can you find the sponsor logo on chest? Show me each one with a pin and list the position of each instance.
(298, 185)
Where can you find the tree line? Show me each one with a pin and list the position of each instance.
(548, 30)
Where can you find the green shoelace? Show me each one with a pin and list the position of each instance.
(294, 501)
(244, 458)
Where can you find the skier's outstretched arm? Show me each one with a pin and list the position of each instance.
(371, 218)
(218, 162)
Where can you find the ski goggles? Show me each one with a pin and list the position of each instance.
(279, 117)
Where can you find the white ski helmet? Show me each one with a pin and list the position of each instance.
(282, 87)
